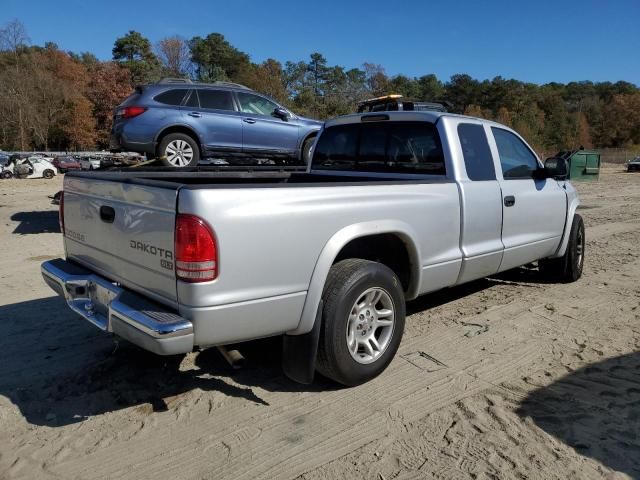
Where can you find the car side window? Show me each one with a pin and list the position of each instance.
(192, 101)
(476, 152)
(250, 103)
(516, 160)
(215, 99)
(171, 97)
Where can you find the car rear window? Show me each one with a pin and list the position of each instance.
(215, 99)
(390, 147)
(171, 97)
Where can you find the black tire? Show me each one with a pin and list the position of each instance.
(347, 281)
(178, 137)
(48, 173)
(567, 268)
(305, 154)
(7, 175)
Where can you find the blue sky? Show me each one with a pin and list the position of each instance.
(538, 41)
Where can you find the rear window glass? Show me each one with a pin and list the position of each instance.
(397, 147)
(171, 97)
(216, 99)
(476, 153)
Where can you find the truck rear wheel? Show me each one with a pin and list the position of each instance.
(567, 268)
(362, 321)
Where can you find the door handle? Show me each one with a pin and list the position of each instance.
(509, 201)
(194, 114)
(248, 120)
(107, 214)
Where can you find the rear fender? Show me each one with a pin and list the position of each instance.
(331, 251)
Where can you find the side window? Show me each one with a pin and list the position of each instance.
(476, 152)
(215, 99)
(250, 103)
(516, 159)
(171, 97)
(192, 101)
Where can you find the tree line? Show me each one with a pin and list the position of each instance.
(52, 99)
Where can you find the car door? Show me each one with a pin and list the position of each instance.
(480, 198)
(533, 210)
(262, 132)
(212, 114)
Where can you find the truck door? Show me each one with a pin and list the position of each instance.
(533, 211)
(481, 203)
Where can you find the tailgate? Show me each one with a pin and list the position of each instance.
(124, 232)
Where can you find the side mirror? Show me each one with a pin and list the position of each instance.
(556, 168)
(281, 113)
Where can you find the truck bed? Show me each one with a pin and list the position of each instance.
(256, 176)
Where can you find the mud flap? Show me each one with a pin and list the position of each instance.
(299, 352)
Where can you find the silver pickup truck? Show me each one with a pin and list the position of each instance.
(393, 205)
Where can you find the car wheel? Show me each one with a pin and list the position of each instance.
(567, 268)
(363, 320)
(7, 174)
(48, 173)
(306, 150)
(179, 150)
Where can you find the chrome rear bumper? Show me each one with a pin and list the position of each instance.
(115, 309)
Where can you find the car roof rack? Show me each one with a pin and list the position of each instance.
(169, 80)
(228, 84)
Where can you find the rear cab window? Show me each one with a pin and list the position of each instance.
(386, 147)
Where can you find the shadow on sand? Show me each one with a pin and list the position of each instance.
(45, 221)
(58, 369)
(594, 410)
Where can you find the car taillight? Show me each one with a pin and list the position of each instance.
(196, 253)
(61, 212)
(130, 112)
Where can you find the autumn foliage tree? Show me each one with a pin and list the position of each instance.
(55, 99)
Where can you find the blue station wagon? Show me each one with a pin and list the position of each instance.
(182, 122)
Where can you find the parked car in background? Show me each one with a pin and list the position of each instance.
(31, 167)
(633, 165)
(90, 163)
(5, 171)
(182, 122)
(65, 164)
(395, 102)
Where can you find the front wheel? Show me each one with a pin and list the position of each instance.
(363, 320)
(48, 174)
(567, 268)
(6, 174)
(179, 150)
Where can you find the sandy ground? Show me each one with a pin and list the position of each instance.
(507, 377)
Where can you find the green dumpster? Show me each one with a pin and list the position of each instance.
(583, 164)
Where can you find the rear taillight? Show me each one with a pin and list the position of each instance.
(61, 212)
(130, 112)
(196, 253)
